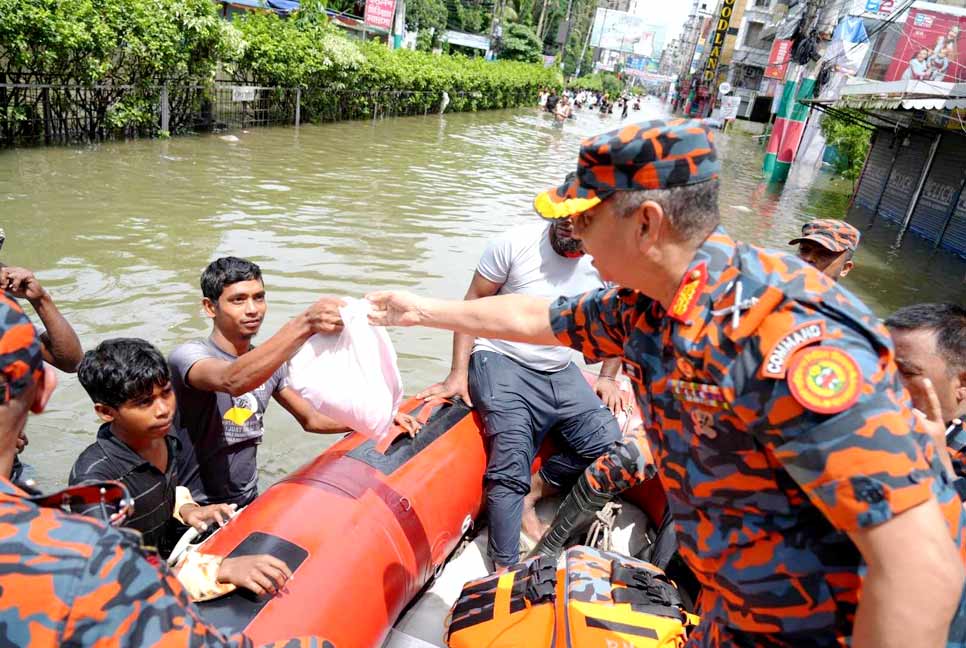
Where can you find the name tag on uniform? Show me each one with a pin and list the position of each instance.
(699, 393)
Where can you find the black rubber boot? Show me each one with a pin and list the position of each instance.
(575, 513)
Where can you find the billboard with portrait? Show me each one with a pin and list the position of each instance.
(931, 46)
(622, 32)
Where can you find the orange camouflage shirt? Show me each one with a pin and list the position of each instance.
(68, 580)
(778, 423)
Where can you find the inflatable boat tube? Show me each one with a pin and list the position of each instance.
(362, 531)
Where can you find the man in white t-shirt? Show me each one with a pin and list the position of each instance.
(525, 391)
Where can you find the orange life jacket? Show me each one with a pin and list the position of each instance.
(596, 599)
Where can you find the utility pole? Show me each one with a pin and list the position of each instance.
(790, 119)
(543, 14)
(566, 35)
(583, 50)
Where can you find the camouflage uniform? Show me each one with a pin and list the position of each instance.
(772, 406)
(67, 580)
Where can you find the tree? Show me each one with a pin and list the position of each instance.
(520, 43)
(851, 139)
(426, 17)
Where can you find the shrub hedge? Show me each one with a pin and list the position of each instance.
(146, 43)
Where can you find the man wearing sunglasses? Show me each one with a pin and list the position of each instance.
(71, 580)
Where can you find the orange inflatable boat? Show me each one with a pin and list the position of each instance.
(362, 531)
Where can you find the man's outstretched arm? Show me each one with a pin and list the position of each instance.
(518, 318)
(457, 382)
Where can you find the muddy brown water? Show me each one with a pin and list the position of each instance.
(120, 232)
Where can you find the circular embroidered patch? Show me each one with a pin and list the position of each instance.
(824, 379)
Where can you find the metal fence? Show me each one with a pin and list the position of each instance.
(42, 113)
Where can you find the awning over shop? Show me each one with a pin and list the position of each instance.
(284, 7)
(902, 95)
(281, 7)
(354, 23)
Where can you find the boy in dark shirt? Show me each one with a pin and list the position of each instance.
(130, 384)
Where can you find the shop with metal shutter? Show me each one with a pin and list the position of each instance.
(942, 189)
(954, 237)
(876, 170)
(906, 172)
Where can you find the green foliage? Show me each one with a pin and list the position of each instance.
(524, 11)
(520, 43)
(473, 16)
(119, 41)
(472, 84)
(467, 16)
(295, 51)
(425, 16)
(133, 47)
(851, 140)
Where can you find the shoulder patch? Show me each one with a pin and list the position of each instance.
(824, 379)
(776, 358)
(690, 289)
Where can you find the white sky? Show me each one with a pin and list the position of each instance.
(670, 13)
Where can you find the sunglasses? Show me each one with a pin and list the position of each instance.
(111, 499)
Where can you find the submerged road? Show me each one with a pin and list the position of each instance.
(120, 232)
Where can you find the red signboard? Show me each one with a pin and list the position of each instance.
(929, 47)
(379, 13)
(781, 53)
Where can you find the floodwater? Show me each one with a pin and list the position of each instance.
(120, 232)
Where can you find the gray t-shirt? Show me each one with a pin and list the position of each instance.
(224, 431)
(523, 261)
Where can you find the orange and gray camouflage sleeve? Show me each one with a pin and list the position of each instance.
(592, 323)
(124, 600)
(839, 422)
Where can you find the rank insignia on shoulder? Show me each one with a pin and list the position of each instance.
(824, 379)
(692, 285)
(776, 358)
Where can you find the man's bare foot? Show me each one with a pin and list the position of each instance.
(532, 527)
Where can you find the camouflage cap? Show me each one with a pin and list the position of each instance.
(21, 362)
(651, 155)
(833, 235)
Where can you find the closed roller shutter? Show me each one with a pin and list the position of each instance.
(955, 237)
(905, 177)
(941, 188)
(876, 170)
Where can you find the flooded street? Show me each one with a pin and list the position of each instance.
(119, 233)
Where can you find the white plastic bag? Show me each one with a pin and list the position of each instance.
(351, 377)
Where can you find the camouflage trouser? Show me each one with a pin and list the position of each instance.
(626, 464)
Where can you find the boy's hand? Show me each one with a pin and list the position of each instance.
(324, 316)
(407, 423)
(20, 283)
(261, 573)
(200, 516)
